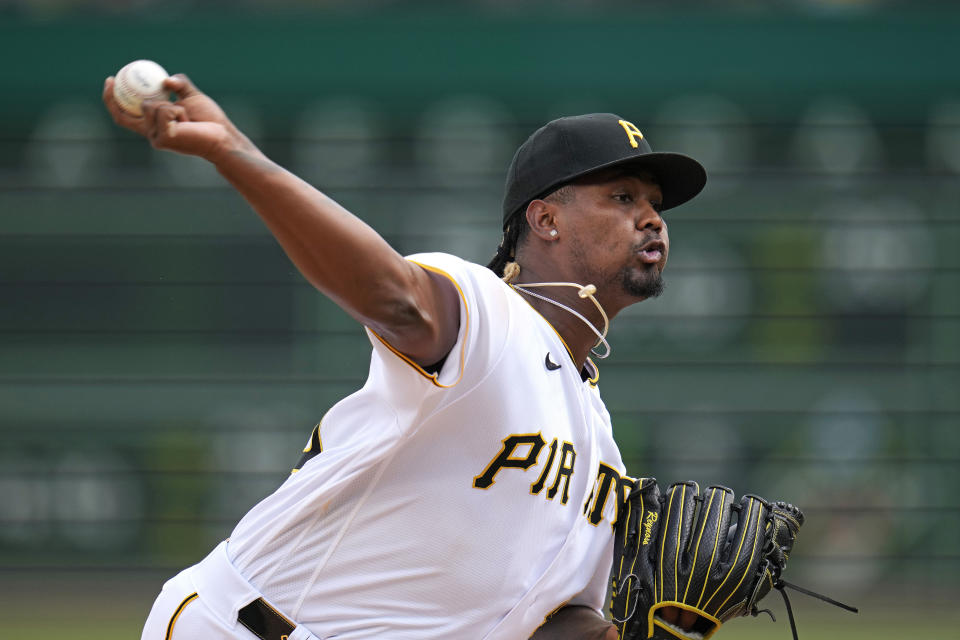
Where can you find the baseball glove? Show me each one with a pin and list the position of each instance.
(699, 553)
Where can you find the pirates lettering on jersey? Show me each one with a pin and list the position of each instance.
(607, 479)
(568, 456)
(508, 458)
(537, 486)
(559, 465)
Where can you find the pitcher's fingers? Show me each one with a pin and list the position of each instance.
(181, 85)
(163, 122)
(121, 117)
(687, 619)
(670, 614)
(150, 109)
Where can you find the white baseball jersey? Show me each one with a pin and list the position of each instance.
(466, 504)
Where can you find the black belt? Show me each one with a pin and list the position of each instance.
(264, 621)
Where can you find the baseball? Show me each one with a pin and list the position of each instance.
(138, 81)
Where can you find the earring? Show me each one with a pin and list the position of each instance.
(553, 233)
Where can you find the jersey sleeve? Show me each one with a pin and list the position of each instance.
(483, 327)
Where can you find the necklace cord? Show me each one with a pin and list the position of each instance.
(584, 291)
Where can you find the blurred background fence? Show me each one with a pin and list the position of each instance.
(162, 364)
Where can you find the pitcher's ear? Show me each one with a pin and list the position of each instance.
(542, 219)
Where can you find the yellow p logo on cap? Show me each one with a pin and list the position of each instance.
(632, 132)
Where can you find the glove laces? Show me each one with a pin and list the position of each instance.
(781, 585)
(636, 588)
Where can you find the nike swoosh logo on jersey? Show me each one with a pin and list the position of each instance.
(550, 364)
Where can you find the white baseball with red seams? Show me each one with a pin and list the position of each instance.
(136, 82)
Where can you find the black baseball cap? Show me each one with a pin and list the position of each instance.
(568, 148)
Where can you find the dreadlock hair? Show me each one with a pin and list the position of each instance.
(504, 262)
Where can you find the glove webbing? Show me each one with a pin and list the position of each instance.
(782, 585)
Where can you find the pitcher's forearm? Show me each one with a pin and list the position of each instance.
(417, 312)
